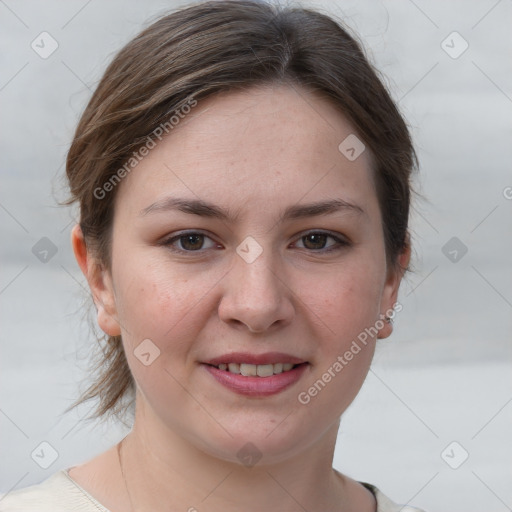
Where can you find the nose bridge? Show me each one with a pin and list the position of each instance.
(255, 268)
(255, 295)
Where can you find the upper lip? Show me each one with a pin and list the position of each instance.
(246, 357)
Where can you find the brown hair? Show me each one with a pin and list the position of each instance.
(215, 47)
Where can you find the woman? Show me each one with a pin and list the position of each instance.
(244, 183)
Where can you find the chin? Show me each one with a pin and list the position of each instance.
(251, 445)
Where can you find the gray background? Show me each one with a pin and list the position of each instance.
(443, 377)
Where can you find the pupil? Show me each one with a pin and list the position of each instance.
(318, 239)
(191, 241)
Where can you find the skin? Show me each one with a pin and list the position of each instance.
(253, 153)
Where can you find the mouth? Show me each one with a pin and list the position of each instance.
(256, 375)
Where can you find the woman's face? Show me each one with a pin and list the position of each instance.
(254, 277)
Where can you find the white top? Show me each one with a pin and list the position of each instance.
(60, 493)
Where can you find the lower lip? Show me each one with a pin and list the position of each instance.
(257, 386)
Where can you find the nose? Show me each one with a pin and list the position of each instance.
(256, 295)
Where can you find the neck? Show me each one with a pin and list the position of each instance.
(161, 469)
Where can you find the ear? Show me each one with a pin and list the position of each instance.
(390, 292)
(100, 283)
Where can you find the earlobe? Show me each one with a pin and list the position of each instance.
(390, 293)
(100, 284)
(107, 314)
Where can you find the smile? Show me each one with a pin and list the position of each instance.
(256, 380)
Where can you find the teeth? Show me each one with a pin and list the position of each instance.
(278, 368)
(233, 368)
(253, 370)
(248, 370)
(265, 370)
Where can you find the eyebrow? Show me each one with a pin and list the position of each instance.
(206, 209)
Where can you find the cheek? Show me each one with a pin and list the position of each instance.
(161, 307)
(348, 298)
(154, 305)
(348, 307)
(155, 294)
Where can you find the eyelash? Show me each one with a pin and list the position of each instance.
(340, 242)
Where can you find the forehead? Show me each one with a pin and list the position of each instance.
(253, 149)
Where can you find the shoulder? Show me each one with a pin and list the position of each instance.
(384, 504)
(58, 493)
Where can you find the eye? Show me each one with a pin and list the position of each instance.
(191, 241)
(194, 241)
(317, 240)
